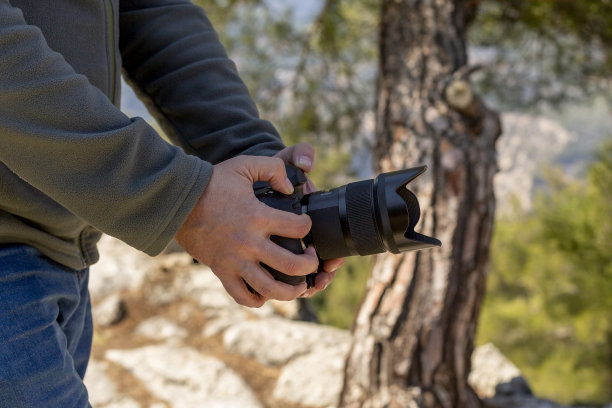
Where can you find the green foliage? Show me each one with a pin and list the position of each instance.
(549, 301)
(338, 304)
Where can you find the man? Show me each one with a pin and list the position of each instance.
(71, 165)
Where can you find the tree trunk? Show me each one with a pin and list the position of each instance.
(414, 334)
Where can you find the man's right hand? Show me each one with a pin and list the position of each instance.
(229, 230)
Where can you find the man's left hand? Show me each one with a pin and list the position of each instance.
(302, 155)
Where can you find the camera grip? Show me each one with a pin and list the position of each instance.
(290, 203)
(293, 245)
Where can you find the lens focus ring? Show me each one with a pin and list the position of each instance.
(361, 219)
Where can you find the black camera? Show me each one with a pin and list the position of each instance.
(362, 218)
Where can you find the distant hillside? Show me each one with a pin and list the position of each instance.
(528, 142)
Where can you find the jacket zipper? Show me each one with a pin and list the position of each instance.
(112, 51)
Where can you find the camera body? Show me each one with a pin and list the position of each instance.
(361, 218)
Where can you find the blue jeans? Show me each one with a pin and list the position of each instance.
(45, 331)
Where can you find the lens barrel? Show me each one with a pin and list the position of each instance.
(366, 217)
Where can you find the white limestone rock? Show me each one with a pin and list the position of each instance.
(160, 328)
(491, 368)
(314, 380)
(276, 341)
(120, 267)
(184, 378)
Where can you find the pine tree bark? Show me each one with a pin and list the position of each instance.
(414, 333)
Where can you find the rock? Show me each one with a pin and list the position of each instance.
(110, 311)
(520, 402)
(219, 320)
(276, 341)
(298, 309)
(126, 403)
(184, 378)
(500, 383)
(202, 286)
(490, 368)
(172, 262)
(516, 386)
(288, 310)
(308, 358)
(199, 283)
(121, 267)
(161, 295)
(102, 391)
(313, 380)
(266, 311)
(160, 328)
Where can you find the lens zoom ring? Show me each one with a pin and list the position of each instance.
(361, 218)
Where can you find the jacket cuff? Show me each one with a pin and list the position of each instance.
(194, 188)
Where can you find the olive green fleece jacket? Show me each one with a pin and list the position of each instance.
(71, 164)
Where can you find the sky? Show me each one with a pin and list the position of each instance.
(303, 12)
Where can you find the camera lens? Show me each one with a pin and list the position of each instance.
(366, 217)
(362, 218)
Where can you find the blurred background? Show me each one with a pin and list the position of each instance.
(545, 66)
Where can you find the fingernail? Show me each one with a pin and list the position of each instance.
(304, 162)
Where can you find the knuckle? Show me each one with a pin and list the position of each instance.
(293, 294)
(281, 294)
(260, 218)
(246, 299)
(267, 290)
(309, 262)
(271, 290)
(242, 242)
(293, 266)
(278, 163)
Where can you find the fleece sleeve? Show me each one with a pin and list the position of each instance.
(173, 58)
(64, 137)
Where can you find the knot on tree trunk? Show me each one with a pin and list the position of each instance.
(459, 96)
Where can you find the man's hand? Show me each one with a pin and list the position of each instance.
(229, 230)
(302, 155)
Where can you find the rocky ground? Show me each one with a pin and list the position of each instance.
(168, 336)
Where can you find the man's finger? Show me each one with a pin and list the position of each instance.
(273, 221)
(333, 265)
(237, 289)
(268, 169)
(322, 280)
(287, 262)
(300, 155)
(268, 287)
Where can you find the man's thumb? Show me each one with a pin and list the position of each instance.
(269, 169)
